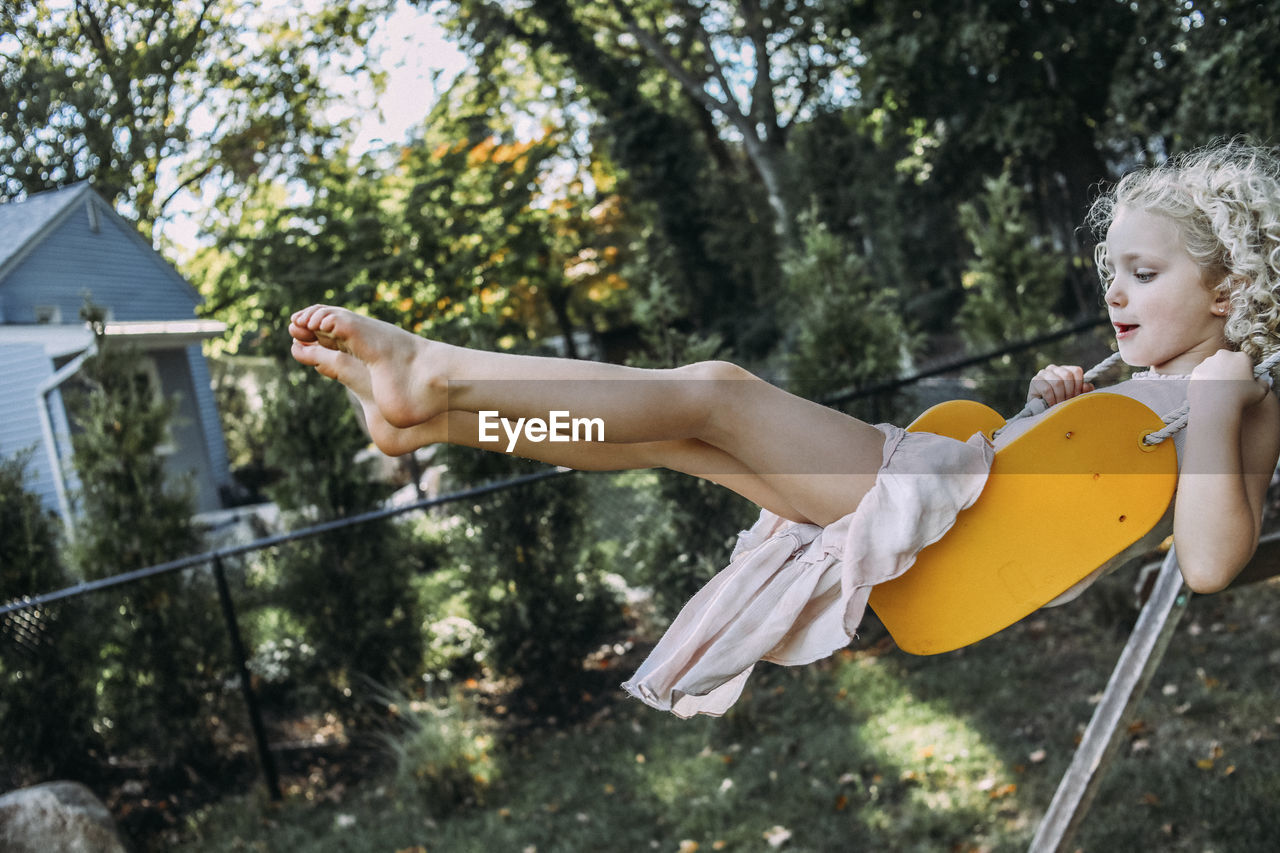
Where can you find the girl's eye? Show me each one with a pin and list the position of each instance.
(1144, 275)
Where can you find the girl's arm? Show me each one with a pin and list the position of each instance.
(1233, 440)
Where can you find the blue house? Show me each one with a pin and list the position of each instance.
(57, 249)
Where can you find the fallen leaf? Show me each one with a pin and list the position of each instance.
(777, 836)
(1149, 799)
(687, 846)
(925, 752)
(1003, 791)
(842, 803)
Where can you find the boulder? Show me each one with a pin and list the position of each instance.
(62, 816)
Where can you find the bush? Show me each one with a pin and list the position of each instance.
(163, 653)
(444, 756)
(350, 589)
(46, 659)
(535, 585)
(847, 328)
(456, 648)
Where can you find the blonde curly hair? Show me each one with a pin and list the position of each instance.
(1225, 200)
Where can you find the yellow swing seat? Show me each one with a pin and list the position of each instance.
(1063, 498)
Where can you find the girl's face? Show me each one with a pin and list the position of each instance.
(1164, 315)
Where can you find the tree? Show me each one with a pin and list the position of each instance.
(152, 98)
(468, 234)
(350, 589)
(163, 649)
(1012, 284)
(714, 235)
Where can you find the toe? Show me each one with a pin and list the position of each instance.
(301, 333)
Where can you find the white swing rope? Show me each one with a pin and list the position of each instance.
(1174, 422)
(1177, 419)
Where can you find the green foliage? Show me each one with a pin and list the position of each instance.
(237, 389)
(468, 234)
(445, 756)
(46, 657)
(870, 750)
(151, 97)
(1011, 285)
(350, 590)
(162, 650)
(535, 585)
(846, 327)
(687, 186)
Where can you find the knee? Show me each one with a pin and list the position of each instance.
(715, 389)
(714, 371)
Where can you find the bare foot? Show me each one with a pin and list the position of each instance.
(402, 386)
(352, 372)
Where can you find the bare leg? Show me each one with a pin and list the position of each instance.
(819, 461)
(688, 456)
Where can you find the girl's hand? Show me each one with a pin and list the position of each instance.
(1056, 384)
(1225, 379)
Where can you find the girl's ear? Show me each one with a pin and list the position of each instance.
(1222, 296)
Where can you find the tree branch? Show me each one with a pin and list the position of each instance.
(659, 51)
(762, 88)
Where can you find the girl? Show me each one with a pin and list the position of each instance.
(1191, 268)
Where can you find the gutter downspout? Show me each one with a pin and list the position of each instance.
(43, 390)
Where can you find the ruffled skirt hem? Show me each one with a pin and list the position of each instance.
(795, 593)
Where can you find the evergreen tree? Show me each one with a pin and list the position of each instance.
(163, 646)
(1012, 285)
(349, 589)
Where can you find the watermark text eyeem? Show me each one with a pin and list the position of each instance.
(558, 427)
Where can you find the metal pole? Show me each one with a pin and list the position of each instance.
(265, 757)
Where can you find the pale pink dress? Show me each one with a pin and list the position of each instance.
(794, 593)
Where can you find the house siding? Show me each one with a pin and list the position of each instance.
(112, 265)
(57, 248)
(22, 369)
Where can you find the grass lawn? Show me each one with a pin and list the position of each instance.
(871, 750)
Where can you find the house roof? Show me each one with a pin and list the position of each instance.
(21, 222)
(24, 224)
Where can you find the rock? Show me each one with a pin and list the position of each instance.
(62, 816)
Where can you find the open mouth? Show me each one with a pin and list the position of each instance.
(1125, 329)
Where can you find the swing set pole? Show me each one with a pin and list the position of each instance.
(1138, 662)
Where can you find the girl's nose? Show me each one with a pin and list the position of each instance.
(1115, 293)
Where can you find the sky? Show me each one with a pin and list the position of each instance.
(411, 47)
